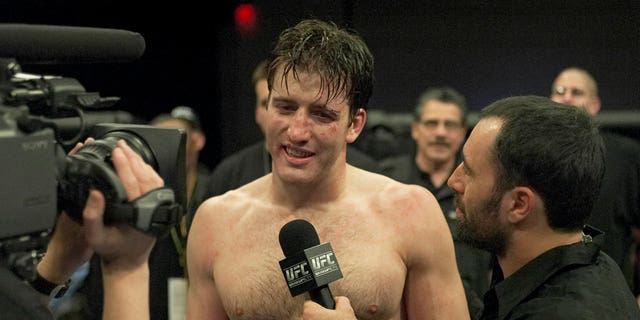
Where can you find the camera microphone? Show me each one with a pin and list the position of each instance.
(308, 266)
(46, 44)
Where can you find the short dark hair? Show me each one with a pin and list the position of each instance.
(339, 56)
(555, 149)
(442, 94)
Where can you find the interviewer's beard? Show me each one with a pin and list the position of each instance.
(482, 228)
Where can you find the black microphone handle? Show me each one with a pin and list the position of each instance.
(322, 296)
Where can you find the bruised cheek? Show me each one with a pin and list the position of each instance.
(328, 133)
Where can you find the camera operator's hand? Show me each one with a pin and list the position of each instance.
(121, 246)
(123, 249)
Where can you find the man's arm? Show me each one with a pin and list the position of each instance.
(203, 301)
(433, 288)
(125, 278)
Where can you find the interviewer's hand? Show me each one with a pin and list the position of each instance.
(314, 311)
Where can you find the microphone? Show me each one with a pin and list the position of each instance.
(45, 44)
(308, 266)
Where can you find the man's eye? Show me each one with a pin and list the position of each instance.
(286, 108)
(325, 115)
(429, 123)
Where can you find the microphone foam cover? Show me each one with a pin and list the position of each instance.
(296, 236)
(45, 44)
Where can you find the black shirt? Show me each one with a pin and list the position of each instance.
(576, 281)
(617, 208)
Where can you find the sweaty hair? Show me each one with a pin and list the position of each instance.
(555, 149)
(339, 56)
(442, 94)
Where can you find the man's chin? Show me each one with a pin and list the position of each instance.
(439, 158)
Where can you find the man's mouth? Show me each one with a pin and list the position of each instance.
(441, 144)
(297, 153)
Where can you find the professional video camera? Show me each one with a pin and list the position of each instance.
(39, 179)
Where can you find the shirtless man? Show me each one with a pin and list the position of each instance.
(391, 240)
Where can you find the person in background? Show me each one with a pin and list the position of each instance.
(617, 208)
(261, 90)
(392, 241)
(197, 173)
(439, 129)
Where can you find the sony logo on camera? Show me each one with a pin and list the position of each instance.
(310, 269)
(35, 145)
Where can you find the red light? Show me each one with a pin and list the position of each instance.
(245, 16)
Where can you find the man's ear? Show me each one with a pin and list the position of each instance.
(199, 139)
(595, 106)
(521, 202)
(415, 129)
(357, 125)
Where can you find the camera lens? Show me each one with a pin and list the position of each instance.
(101, 149)
(91, 168)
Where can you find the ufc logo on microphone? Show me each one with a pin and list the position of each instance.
(297, 271)
(320, 261)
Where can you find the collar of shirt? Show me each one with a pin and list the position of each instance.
(506, 294)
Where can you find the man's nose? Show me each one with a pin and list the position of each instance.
(454, 179)
(567, 96)
(299, 127)
(441, 129)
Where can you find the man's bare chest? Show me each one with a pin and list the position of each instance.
(252, 286)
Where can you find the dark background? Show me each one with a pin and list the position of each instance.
(195, 55)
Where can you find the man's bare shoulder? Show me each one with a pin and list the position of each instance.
(387, 192)
(233, 205)
(411, 211)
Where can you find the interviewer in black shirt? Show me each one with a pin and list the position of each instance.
(531, 174)
(532, 170)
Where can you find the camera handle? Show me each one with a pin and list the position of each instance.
(155, 212)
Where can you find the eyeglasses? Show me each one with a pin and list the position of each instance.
(561, 90)
(448, 124)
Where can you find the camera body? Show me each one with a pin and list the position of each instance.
(39, 179)
(28, 165)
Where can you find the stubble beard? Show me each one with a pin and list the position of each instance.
(482, 228)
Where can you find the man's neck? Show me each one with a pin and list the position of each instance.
(318, 192)
(192, 179)
(523, 247)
